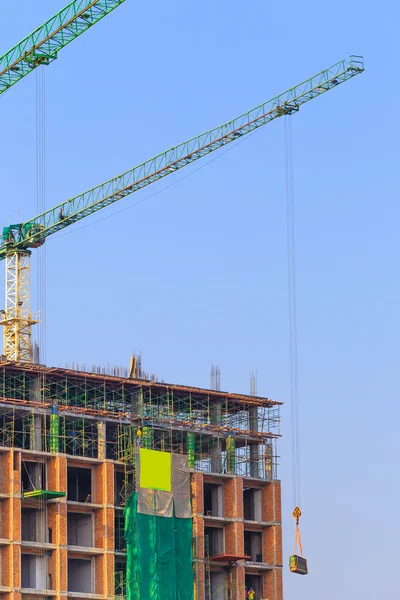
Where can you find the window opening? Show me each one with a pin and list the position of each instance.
(217, 590)
(33, 571)
(213, 495)
(253, 545)
(119, 499)
(80, 529)
(32, 525)
(79, 484)
(120, 578)
(33, 476)
(252, 504)
(80, 578)
(120, 544)
(255, 582)
(215, 538)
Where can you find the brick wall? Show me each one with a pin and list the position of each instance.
(234, 534)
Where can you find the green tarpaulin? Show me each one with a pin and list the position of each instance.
(159, 556)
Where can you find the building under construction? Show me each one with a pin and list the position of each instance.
(119, 486)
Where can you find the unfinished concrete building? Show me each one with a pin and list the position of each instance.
(69, 445)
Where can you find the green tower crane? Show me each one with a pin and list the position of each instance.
(18, 240)
(42, 46)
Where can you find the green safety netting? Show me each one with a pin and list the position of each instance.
(159, 556)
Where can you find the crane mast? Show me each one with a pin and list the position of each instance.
(17, 319)
(19, 239)
(41, 46)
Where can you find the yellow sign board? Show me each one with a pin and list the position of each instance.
(155, 470)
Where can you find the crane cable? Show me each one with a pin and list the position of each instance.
(292, 306)
(41, 204)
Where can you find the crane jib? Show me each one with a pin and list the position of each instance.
(22, 237)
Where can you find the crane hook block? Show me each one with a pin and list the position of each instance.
(297, 563)
(297, 514)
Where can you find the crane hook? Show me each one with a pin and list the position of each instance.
(297, 514)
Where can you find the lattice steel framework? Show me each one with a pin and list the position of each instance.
(42, 46)
(17, 319)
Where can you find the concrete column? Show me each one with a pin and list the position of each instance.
(254, 449)
(215, 447)
(253, 418)
(36, 433)
(254, 460)
(269, 463)
(216, 456)
(36, 390)
(137, 404)
(215, 412)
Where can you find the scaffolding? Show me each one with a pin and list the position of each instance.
(220, 432)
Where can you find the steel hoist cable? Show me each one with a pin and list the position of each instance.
(293, 346)
(41, 205)
(292, 306)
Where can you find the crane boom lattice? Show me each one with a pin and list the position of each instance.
(41, 46)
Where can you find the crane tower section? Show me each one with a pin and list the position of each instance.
(17, 319)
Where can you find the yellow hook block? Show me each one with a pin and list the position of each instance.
(297, 513)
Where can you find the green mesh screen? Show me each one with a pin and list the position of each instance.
(159, 556)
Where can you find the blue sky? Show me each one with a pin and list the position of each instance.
(198, 274)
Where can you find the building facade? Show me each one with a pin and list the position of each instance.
(69, 443)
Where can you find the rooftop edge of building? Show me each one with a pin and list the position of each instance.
(133, 381)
